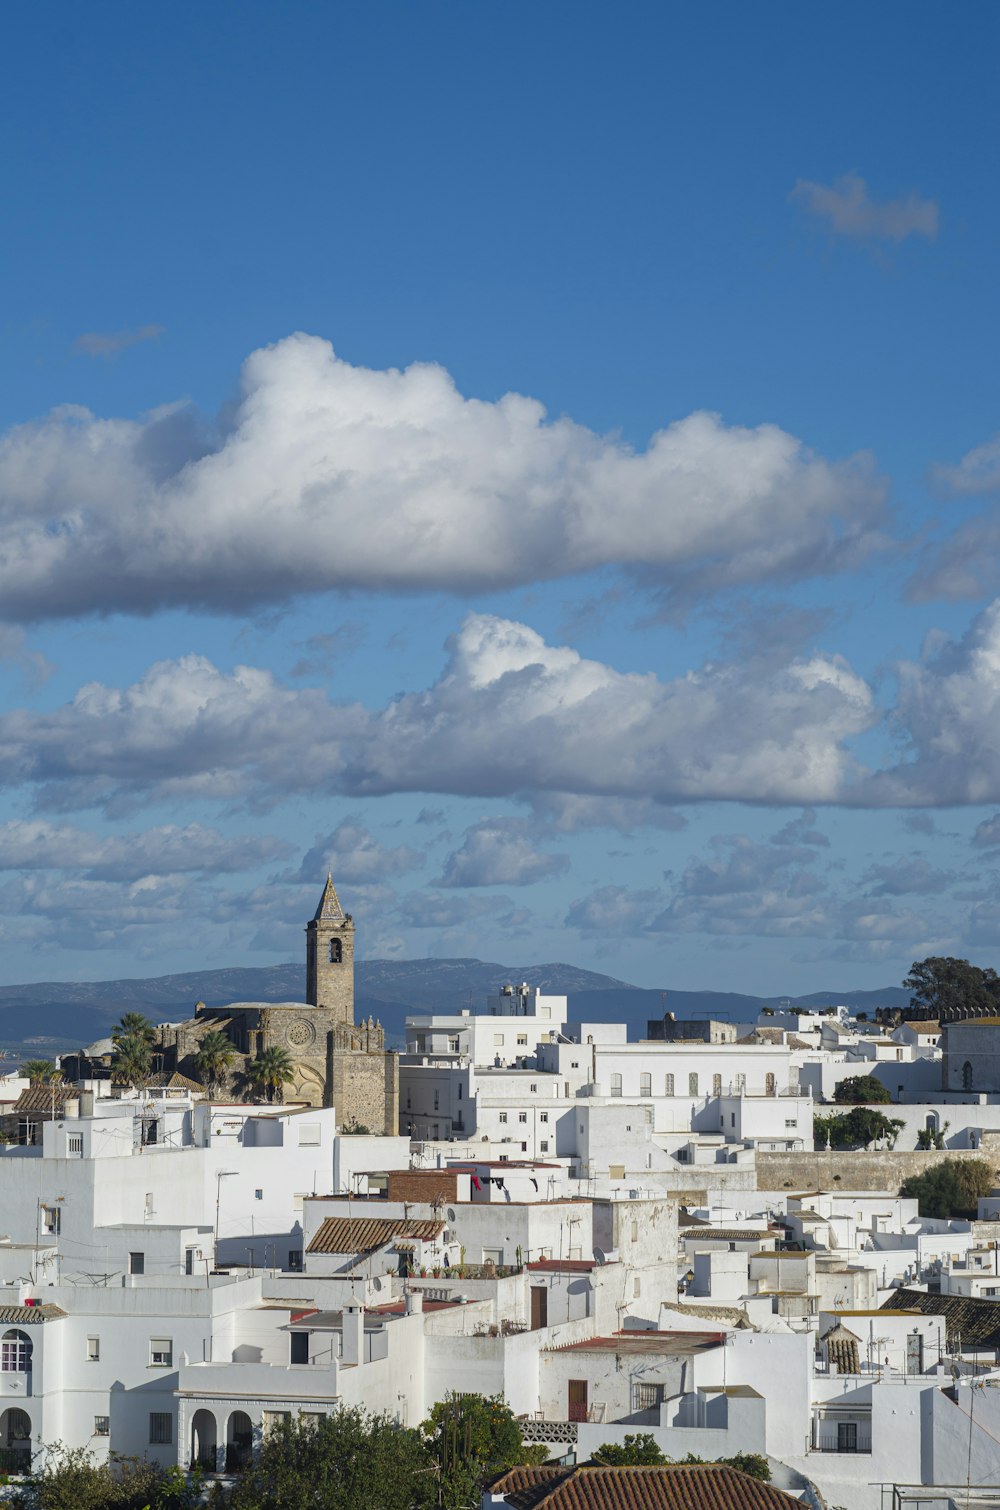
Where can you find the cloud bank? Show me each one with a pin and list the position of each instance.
(329, 476)
(509, 716)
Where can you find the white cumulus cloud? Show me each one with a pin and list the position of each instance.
(330, 476)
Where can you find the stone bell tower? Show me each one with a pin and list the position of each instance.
(330, 957)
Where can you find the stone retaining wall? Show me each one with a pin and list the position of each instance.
(858, 1170)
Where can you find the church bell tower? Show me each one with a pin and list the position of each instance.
(330, 957)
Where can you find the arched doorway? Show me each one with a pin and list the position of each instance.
(967, 1076)
(15, 1440)
(239, 1441)
(204, 1441)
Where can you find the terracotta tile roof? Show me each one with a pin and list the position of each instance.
(563, 1265)
(39, 1098)
(727, 1235)
(970, 1323)
(592, 1487)
(672, 1343)
(26, 1315)
(843, 1354)
(177, 1082)
(362, 1234)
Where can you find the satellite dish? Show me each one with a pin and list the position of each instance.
(376, 1284)
(599, 1256)
(450, 1215)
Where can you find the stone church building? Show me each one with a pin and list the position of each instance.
(337, 1062)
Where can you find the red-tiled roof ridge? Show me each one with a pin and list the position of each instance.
(591, 1486)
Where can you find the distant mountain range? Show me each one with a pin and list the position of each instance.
(49, 1017)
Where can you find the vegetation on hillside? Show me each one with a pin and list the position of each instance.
(861, 1090)
(951, 1188)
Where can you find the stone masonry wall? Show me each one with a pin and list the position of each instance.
(365, 1089)
(857, 1170)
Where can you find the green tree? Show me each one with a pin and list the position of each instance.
(270, 1072)
(941, 984)
(39, 1071)
(471, 1439)
(750, 1463)
(71, 1478)
(637, 1451)
(214, 1058)
(951, 1188)
(865, 1127)
(132, 1063)
(349, 1460)
(133, 1025)
(858, 1128)
(859, 1089)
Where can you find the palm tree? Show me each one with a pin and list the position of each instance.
(214, 1059)
(39, 1071)
(132, 1063)
(271, 1072)
(133, 1025)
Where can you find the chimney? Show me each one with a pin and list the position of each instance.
(414, 1302)
(353, 1334)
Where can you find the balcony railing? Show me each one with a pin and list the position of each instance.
(831, 1441)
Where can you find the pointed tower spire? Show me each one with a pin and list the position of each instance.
(329, 909)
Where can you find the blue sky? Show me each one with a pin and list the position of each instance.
(683, 663)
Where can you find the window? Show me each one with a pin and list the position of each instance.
(741, 1084)
(51, 1220)
(791, 1122)
(102, 1426)
(437, 1101)
(534, 1090)
(299, 1347)
(716, 1085)
(161, 1427)
(636, 1287)
(74, 1143)
(93, 1349)
(309, 1135)
(336, 952)
(645, 1085)
(498, 1040)
(15, 1353)
(149, 1204)
(137, 1263)
(635, 1231)
(522, 1116)
(409, 1103)
(574, 1064)
(668, 1085)
(770, 1084)
(295, 1260)
(258, 1195)
(161, 1352)
(616, 1084)
(967, 1076)
(648, 1113)
(543, 1116)
(458, 1093)
(647, 1396)
(522, 1040)
(453, 1046)
(503, 1117)
(693, 1083)
(543, 1146)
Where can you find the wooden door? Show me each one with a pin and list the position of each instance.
(577, 1400)
(539, 1307)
